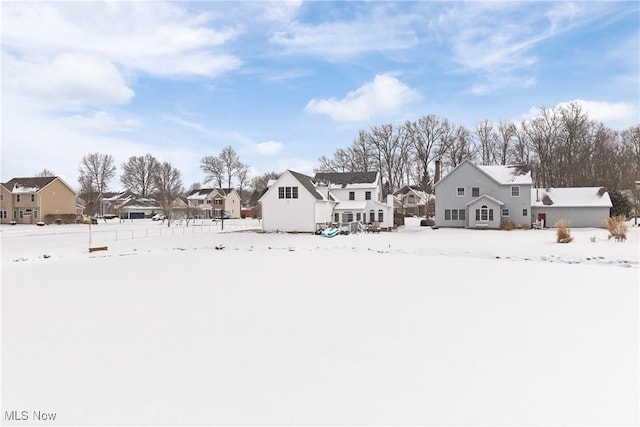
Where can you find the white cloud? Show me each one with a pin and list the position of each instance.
(100, 122)
(383, 96)
(616, 115)
(268, 148)
(375, 30)
(68, 80)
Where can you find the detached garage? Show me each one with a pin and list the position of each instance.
(581, 206)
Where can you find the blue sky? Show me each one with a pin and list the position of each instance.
(287, 82)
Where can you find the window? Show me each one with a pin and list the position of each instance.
(21, 214)
(336, 217)
(15, 214)
(367, 195)
(525, 212)
(462, 214)
(347, 217)
(372, 216)
(284, 193)
(200, 202)
(447, 214)
(1, 197)
(358, 216)
(208, 201)
(33, 197)
(17, 197)
(217, 201)
(35, 213)
(460, 191)
(484, 213)
(505, 212)
(411, 199)
(515, 191)
(475, 192)
(454, 214)
(380, 215)
(352, 195)
(3, 214)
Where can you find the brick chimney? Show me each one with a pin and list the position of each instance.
(436, 176)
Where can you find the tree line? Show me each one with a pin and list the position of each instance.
(561, 146)
(147, 177)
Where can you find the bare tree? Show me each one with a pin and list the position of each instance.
(96, 170)
(460, 149)
(388, 142)
(259, 185)
(214, 169)
(506, 135)
(192, 187)
(168, 188)
(230, 163)
(243, 176)
(487, 140)
(137, 174)
(45, 173)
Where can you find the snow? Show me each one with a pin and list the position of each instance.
(571, 197)
(418, 326)
(506, 174)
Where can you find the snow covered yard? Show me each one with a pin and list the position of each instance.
(417, 326)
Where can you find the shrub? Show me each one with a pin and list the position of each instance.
(526, 226)
(427, 222)
(507, 225)
(60, 218)
(617, 227)
(563, 233)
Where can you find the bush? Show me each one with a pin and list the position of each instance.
(617, 227)
(427, 222)
(60, 218)
(526, 226)
(507, 225)
(563, 232)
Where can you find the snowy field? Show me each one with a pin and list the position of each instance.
(418, 326)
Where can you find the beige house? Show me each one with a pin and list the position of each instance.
(37, 199)
(215, 202)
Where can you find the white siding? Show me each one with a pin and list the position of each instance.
(577, 216)
(288, 214)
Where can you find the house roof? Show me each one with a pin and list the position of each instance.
(345, 178)
(508, 174)
(486, 196)
(32, 184)
(307, 183)
(570, 197)
(503, 175)
(407, 189)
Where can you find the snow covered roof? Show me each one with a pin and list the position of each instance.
(486, 196)
(351, 205)
(570, 197)
(342, 179)
(28, 185)
(508, 174)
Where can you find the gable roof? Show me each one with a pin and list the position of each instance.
(570, 197)
(511, 174)
(486, 196)
(307, 183)
(32, 184)
(503, 175)
(345, 178)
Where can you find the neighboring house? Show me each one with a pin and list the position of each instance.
(37, 199)
(411, 200)
(215, 203)
(128, 205)
(581, 206)
(359, 197)
(474, 196)
(298, 203)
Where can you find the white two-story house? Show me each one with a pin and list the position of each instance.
(299, 203)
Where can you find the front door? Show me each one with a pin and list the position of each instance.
(542, 218)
